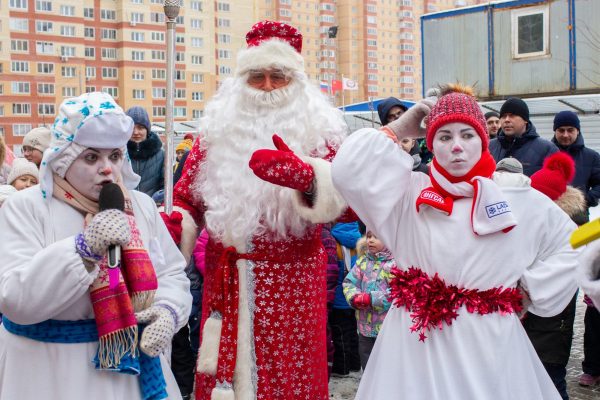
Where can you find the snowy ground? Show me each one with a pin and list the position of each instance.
(344, 388)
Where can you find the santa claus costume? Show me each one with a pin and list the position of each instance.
(463, 243)
(263, 319)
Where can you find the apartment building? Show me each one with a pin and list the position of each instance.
(55, 49)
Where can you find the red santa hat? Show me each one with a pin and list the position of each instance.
(456, 104)
(271, 45)
(558, 170)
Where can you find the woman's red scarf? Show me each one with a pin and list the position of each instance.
(490, 212)
(115, 305)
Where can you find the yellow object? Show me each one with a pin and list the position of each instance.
(586, 233)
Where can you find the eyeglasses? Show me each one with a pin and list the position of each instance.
(276, 77)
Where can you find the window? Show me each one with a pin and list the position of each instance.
(89, 32)
(224, 54)
(21, 129)
(371, 31)
(180, 39)
(45, 88)
(68, 72)
(137, 1)
(179, 111)
(21, 88)
(108, 72)
(67, 51)
(43, 26)
(179, 20)
(69, 91)
(197, 42)
(197, 60)
(179, 75)
(139, 94)
(159, 111)
(19, 24)
(90, 52)
(137, 75)
(179, 94)
(109, 54)
(158, 55)
(371, 42)
(223, 38)
(44, 48)
(21, 108)
(530, 31)
(67, 11)
(197, 114)
(110, 34)
(1, 115)
(196, 23)
(222, 6)
(108, 14)
(67, 30)
(90, 72)
(88, 13)
(45, 109)
(372, 88)
(90, 89)
(21, 46)
(157, 17)
(196, 5)
(158, 36)
(45, 68)
(159, 93)
(137, 17)
(197, 78)
(224, 70)
(113, 91)
(137, 55)
(223, 23)
(197, 96)
(137, 36)
(18, 4)
(43, 5)
(19, 66)
(179, 56)
(159, 74)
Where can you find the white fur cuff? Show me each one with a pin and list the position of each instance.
(328, 204)
(208, 354)
(222, 394)
(189, 233)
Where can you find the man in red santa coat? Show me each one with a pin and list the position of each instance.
(259, 180)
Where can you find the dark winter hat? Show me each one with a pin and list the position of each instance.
(557, 172)
(384, 107)
(139, 117)
(566, 118)
(490, 114)
(515, 106)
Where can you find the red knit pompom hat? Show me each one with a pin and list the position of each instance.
(457, 105)
(557, 172)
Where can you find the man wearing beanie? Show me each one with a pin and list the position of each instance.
(518, 137)
(146, 152)
(569, 139)
(492, 121)
(35, 143)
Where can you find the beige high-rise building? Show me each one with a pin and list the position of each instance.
(55, 49)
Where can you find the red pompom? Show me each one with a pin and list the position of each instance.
(562, 163)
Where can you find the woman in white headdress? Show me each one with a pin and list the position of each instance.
(73, 327)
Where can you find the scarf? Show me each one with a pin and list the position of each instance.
(490, 212)
(132, 290)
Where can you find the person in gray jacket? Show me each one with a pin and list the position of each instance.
(146, 153)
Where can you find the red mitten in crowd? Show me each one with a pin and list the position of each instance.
(361, 301)
(173, 223)
(282, 167)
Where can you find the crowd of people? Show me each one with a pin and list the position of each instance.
(432, 254)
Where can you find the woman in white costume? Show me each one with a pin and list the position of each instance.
(70, 328)
(465, 239)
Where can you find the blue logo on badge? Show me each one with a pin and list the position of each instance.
(496, 209)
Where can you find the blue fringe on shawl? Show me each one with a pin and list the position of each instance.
(151, 378)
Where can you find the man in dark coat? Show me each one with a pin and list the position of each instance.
(568, 138)
(518, 138)
(146, 153)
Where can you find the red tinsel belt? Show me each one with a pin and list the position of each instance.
(432, 302)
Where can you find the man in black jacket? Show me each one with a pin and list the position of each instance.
(568, 138)
(518, 138)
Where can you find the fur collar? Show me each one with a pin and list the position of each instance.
(572, 202)
(146, 149)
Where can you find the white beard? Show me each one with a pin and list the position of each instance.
(240, 120)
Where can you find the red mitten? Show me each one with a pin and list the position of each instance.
(282, 167)
(361, 301)
(173, 223)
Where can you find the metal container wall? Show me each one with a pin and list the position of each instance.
(588, 43)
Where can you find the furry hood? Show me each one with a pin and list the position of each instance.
(572, 202)
(146, 149)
